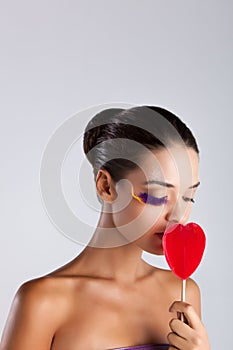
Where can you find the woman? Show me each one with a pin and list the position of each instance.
(145, 163)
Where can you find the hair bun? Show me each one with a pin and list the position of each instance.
(91, 138)
(96, 126)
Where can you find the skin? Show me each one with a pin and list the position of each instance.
(110, 297)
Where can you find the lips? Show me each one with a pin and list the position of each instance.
(160, 234)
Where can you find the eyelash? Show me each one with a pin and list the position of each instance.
(189, 199)
(146, 198)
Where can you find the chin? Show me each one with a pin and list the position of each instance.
(158, 251)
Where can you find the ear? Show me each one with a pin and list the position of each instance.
(105, 186)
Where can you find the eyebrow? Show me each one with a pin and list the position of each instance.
(165, 184)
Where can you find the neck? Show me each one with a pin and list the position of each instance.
(109, 255)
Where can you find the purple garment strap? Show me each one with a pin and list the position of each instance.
(145, 347)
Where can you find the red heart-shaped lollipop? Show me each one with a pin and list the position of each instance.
(183, 248)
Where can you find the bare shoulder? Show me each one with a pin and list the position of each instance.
(167, 276)
(37, 310)
(173, 284)
(44, 291)
(47, 288)
(193, 295)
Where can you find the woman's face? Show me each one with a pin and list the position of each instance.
(170, 174)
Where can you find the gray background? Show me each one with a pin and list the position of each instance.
(60, 57)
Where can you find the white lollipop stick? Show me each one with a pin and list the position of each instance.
(183, 297)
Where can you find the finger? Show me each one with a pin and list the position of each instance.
(181, 328)
(180, 315)
(189, 312)
(176, 341)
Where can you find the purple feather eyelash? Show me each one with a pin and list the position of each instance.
(146, 198)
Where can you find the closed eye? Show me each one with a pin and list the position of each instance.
(186, 199)
(148, 199)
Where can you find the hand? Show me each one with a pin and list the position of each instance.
(191, 336)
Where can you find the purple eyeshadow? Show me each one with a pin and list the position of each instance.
(146, 198)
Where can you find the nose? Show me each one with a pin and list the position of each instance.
(176, 214)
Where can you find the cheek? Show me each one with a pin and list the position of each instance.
(127, 215)
(135, 220)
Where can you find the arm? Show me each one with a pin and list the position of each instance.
(192, 335)
(32, 319)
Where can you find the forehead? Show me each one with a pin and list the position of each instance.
(176, 165)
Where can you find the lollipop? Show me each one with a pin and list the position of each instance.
(183, 248)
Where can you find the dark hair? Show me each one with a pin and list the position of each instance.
(150, 126)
